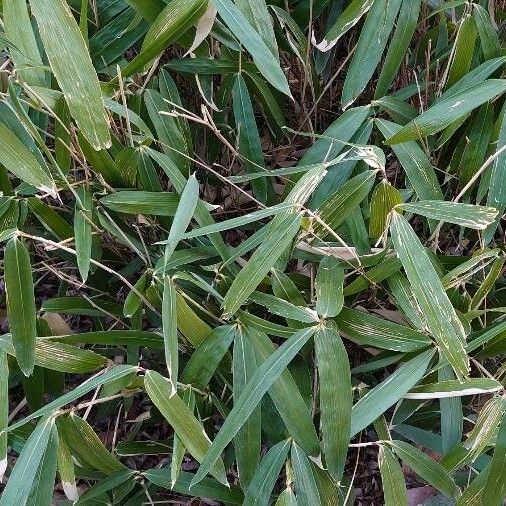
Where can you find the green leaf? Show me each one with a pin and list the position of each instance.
(415, 163)
(448, 110)
(429, 470)
(368, 330)
(21, 310)
(263, 378)
(257, 13)
(392, 478)
(440, 316)
(202, 365)
(247, 442)
(26, 55)
(264, 59)
(72, 68)
(66, 471)
(463, 50)
(262, 484)
(112, 375)
(4, 411)
(282, 230)
(287, 398)
(83, 441)
(338, 206)
(335, 398)
(173, 22)
(207, 488)
(399, 45)
(170, 336)
(370, 46)
(22, 163)
(329, 288)
(82, 231)
(24, 474)
(183, 421)
(465, 215)
(250, 147)
(495, 487)
(454, 388)
(347, 20)
(59, 356)
(490, 43)
(384, 198)
(185, 210)
(306, 487)
(375, 402)
(141, 202)
(283, 308)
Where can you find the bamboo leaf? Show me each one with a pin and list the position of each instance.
(449, 110)
(335, 398)
(170, 336)
(83, 216)
(262, 483)
(265, 61)
(465, 215)
(495, 487)
(429, 470)
(282, 230)
(21, 310)
(392, 478)
(329, 288)
(388, 392)
(72, 67)
(440, 316)
(247, 442)
(263, 378)
(183, 421)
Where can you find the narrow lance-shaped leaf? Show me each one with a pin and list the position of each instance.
(347, 20)
(448, 110)
(465, 215)
(21, 310)
(71, 64)
(182, 420)
(495, 488)
(287, 397)
(329, 287)
(373, 38)
(384, 198)
(454, 388)
(247, 441)
(306, 486)
(26, 55)
(250, 147)
(114, 374)
(24, 474)
(282, 230)
(265, 61)
(262, 484)
(82, 231)
(405, 27)
(172, 22)
(66, 471)
(202, 365)
(265, 375)
(388, 392)
(440, 316)
(429, 470)
(4, 411)
(392, 478)
(335, 398)
(19, 160)
(170, 337)
(185, 209)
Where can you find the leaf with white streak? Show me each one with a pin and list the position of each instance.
(454, 388)
(440, 317)
(465, 215)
